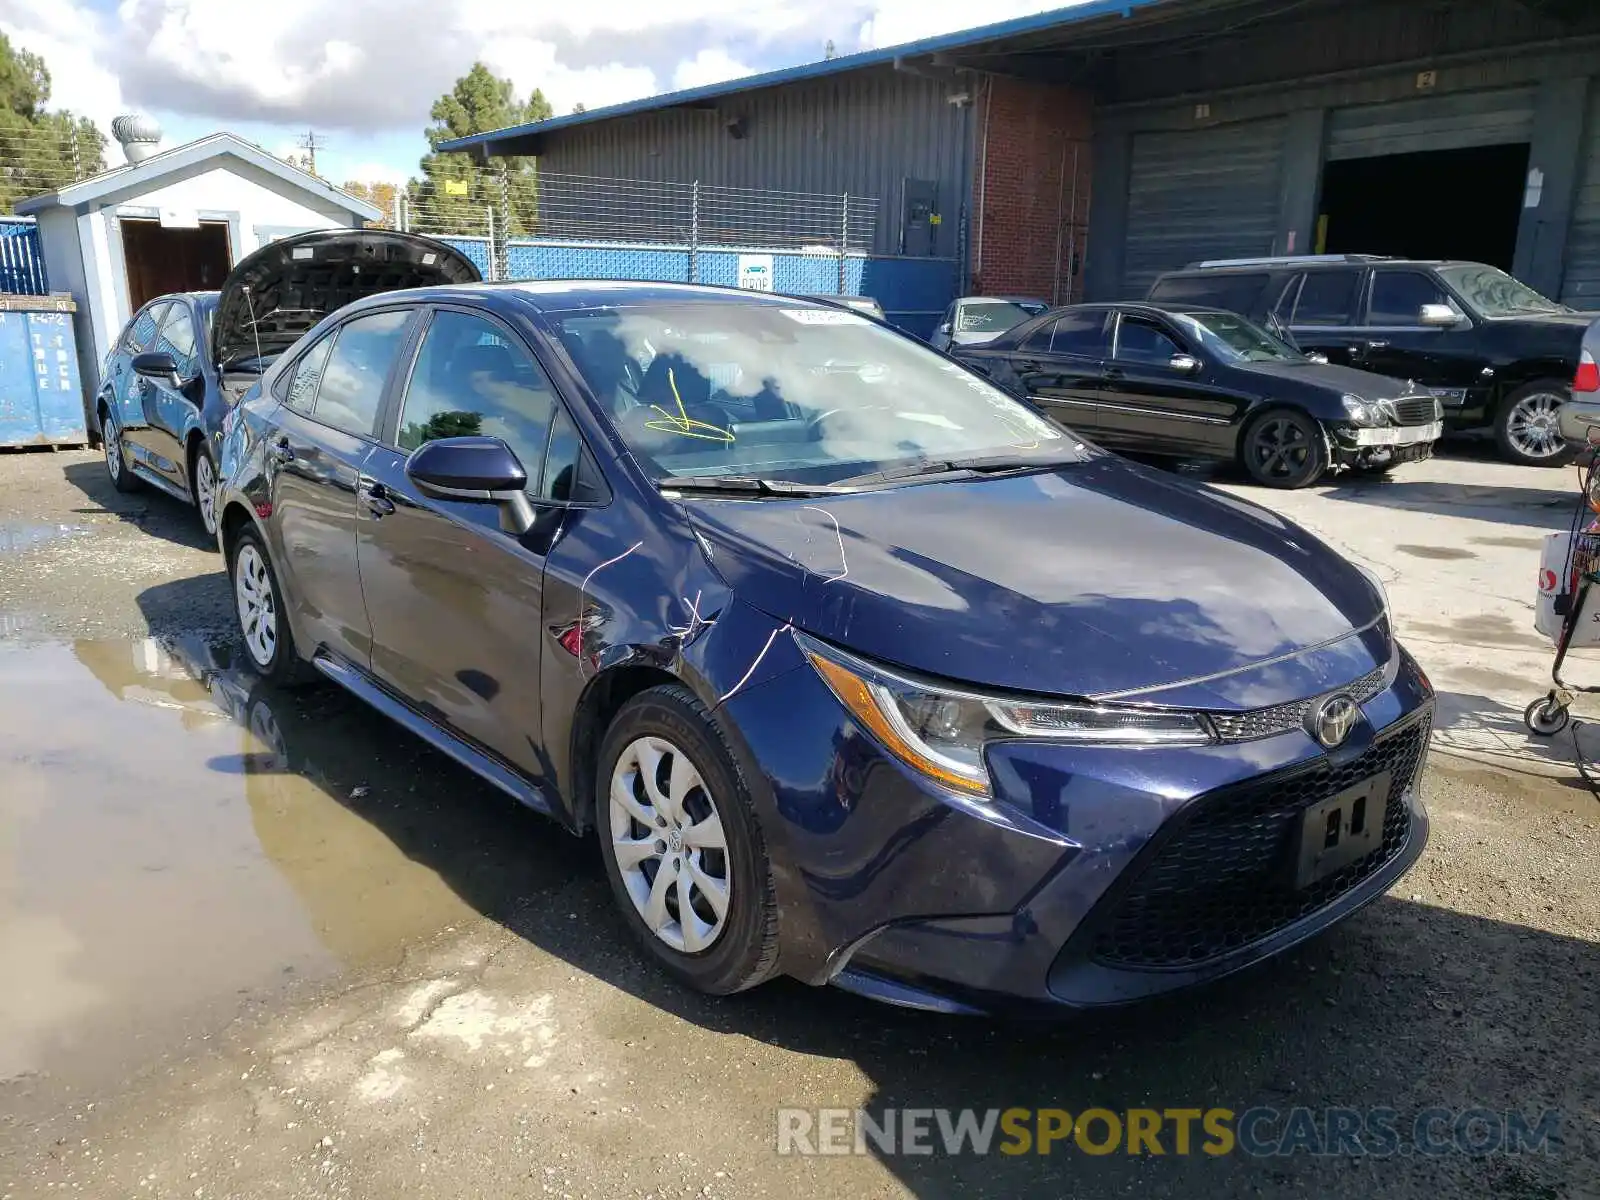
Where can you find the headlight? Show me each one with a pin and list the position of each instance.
(941, 732)
(1360, 412)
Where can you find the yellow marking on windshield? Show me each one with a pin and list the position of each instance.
(682, 424)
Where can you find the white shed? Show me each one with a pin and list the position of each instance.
(176, 221)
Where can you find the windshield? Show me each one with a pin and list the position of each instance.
(1495, 294)
(993, 316)
(1234, 339)
(808, 395)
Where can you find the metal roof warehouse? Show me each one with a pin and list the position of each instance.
(1079, 153)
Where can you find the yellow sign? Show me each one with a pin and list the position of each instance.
(455, 187)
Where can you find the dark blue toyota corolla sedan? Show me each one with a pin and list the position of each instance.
(859, 669)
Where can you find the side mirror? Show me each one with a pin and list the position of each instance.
(1184, 364)
(475, 470)
(158, 365)
(945, 328)
(1438, 316)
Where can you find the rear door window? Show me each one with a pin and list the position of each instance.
(1398, 297)
(1235, 293)
(178, 339)
(1327, 298)
(1082, 335)
(364, 352)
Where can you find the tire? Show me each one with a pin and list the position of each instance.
(1527, 429)
(640, 821)
(1544, 719)
(1284, 448)
(257, 598)
(117, 469)
(203, 489)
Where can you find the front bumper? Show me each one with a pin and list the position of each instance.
(1352, 446)
(1098, 876)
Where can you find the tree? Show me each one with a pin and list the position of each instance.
(40, 150)
(579, 107)
(455, 190)
(380, 195)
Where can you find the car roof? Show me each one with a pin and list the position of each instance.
(1001, 300)
(1145, 307)
(567, 295)
(1251, 266)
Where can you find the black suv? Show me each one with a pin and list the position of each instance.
(1497, 353)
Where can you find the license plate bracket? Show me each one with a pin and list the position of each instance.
(1341, 829)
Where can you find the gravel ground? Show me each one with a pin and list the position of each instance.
(498, 1037)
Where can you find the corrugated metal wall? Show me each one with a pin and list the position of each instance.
(863, 133)
(1212, 193)
(1434, 123)
(1580, 286)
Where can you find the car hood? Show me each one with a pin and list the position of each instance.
(283, 289)
(1366, 384)
(1094, 579)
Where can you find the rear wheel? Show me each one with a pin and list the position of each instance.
(1528, 426)
(682, 846)
(1284, 448)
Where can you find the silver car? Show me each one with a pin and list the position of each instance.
(975, 320)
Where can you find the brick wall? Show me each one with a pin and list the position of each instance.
(1033, 158)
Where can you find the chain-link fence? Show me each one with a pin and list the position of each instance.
(520, 224)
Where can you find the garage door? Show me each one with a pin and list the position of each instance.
(1210, 193)
(1433, 123)
(1580, 286)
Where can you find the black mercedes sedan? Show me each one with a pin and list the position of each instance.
(182, 362)
(1204, 383)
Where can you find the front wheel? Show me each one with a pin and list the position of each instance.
(1545, 718)
(1285, 448)
(203, 481)
(117, 469)
(682, 846)
(258, 600)
(1528, 426)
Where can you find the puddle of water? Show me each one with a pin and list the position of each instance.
(19, 537)
(175, 836)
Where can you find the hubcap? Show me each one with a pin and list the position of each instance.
(205, 491)
(667, 838)
(1280, 449)
(258, 616)
(1534, 426)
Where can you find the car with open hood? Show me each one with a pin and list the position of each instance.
(856, 667)
(1190, 382)
(183, 360)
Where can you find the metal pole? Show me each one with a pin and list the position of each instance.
(494, 255)
(694, 234)
(1072, 250)
(844, 240)
(1061, 192)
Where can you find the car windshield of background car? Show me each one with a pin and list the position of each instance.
(1495, 294)
(991, 317)
(810, 395)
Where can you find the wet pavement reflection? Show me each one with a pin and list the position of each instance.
(177, 839)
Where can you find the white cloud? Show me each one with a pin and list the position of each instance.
(712, 65)
(530, 63)
(375, 172)
(892, 22)
(70, 40)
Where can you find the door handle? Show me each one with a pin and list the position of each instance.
(376, 498)
(280, 451)
(1028, 364)
(1377, 345)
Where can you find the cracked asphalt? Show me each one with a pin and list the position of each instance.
(262, 944)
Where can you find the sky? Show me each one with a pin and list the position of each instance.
(363, 73)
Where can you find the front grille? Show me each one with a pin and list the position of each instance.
(1280, 718)
(1416, 410)
(1222, 878)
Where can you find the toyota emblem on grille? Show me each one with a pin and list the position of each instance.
(1331, 720)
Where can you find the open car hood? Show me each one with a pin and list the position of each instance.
(283, 289)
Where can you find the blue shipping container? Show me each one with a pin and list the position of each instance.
(41, 394)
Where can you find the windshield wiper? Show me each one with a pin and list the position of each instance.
(746, 485)
(993, 464)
